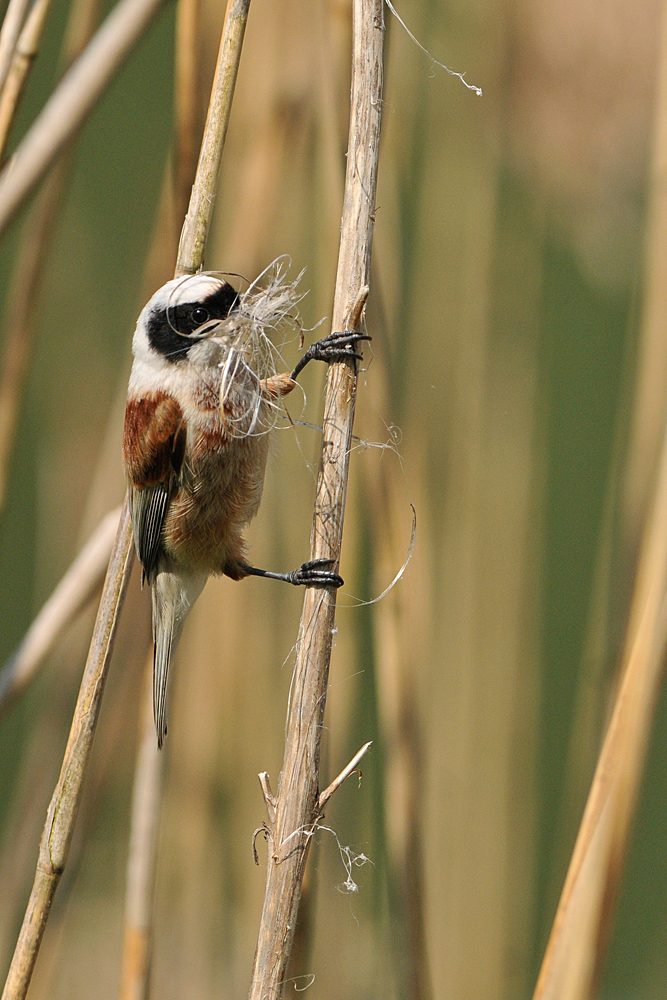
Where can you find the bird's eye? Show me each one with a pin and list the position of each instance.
(200, 315)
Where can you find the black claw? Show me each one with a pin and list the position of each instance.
(312, 574)
(338, 346)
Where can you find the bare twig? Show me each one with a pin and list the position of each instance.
(64, 805)
(71, 102)
(84, 577)
(297, 799)
(142, 859)
(345, 773)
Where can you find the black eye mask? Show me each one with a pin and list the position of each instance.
(169, 328)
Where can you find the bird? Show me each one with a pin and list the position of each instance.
(195, 447)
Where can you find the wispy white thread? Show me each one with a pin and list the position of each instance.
(452, 72)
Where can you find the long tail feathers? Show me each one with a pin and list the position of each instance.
(173, 595)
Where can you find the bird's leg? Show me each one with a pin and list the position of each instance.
(310, 574)
(336, 347)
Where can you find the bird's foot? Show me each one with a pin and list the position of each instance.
(310, 574)
(338, 346)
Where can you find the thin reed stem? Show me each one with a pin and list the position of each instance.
(186, 101)
(61, 815)
(84, 577)
(578, 934)
(150, 764)
(21, 312)
(17, 11)
(72, 101)
(294, 811)
(27, 47)
(198, 220)
(142, 857)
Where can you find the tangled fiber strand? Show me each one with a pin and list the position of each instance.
(252, 357)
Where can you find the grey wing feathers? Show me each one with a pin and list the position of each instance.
(149, 509)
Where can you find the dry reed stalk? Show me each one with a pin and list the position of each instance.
(20, 322)
(61, 815)
(198, 220)
(186, 94)
(149, 771)
(72, 101)
(650, 399)
(294, 811)
(26, 49)
(578, 935)
(81, 581)
(15, 16)
(142, 858)
(62, 811)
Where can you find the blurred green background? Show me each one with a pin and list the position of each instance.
(506, 312)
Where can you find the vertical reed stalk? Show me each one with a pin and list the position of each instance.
(61, 815)
(579, 931)
(15, 16)
(27, 47)
(198, 220)
(81, 581)
(62, 811)
(294, 811)
(72, 101)
(142, 859)
(149, 772)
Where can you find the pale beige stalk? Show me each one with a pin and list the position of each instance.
(14, 20)
(61, 815)
(572, 953)
(148, 776)
(294, 811)
(84, 577)
(27, 47)
(198, 220)
(186, 102)
(142, 857)
(579, 934)
(72, 101)
(19, 320)
(62, 811)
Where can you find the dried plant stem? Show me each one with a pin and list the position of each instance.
(186, 101)
(84, 577)
(61, 815)
(198, 220)
(578, 934)
(150, 764)
(650, 395)
(142, 859)
(71, 102)
(62, 810)
(26, 49)
(294, 812)
(9, 35)
(20, 321)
